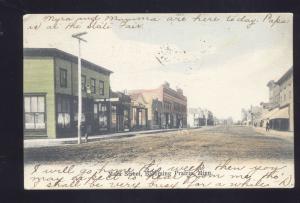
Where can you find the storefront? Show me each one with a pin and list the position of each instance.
(139, 117)
(280, 119)
(95, 115)
(101, 117)
(120, 112)
(65, 115)
(35, 115)
(267, 116)
(167, 122)
(156, 122)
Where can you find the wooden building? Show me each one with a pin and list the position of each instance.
(50, 94)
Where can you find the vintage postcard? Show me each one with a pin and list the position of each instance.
(158, 101)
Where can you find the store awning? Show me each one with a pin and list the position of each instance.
(281, 113)
(269, 114)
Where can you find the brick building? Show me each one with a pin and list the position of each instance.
(167, 108)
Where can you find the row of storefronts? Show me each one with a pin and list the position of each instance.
(167, 108)
(278, 112)
(115, 114)
(51, 100)
(281, 112)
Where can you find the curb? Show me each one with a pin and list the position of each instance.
(37, 143)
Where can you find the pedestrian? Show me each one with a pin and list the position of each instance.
(180, 125)
(267, 126)
(83, 128)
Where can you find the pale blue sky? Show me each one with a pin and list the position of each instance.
(220, 66)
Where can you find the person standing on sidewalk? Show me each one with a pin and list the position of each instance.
(180, 125)
(83, 128)
(267, 125)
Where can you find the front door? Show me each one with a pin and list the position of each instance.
(100, 117)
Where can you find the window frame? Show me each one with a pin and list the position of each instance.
(83, 83)
(45, 112)
(101, 89)
(65, 104)
(102, 116)
(93, 87)
(63, 83)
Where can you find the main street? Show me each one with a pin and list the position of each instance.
(204, 144)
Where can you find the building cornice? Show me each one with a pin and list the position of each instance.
(53, 52)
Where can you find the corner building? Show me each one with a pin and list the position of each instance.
(281, 103)
(51, 94)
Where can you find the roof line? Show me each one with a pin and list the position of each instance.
(290, 70)
(59, 53)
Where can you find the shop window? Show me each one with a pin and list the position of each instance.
(34, 107)
(63, 77)
(102, 121)
(126, 119)
(83, 110)
(93, 85)
(101, 87)
(63, 112)
(102, 109)
(95, 111)
(113, 116)
(83, 83)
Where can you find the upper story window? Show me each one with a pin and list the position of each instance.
(63, 77)
(83, 83)
(101, 87)
(93, 85)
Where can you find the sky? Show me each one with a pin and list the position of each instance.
(222, 66)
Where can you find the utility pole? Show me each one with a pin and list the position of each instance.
(251, 116)
(78, 36)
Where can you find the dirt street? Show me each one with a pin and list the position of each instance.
(207, 144)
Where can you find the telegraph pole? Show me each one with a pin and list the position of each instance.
(78, 36)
